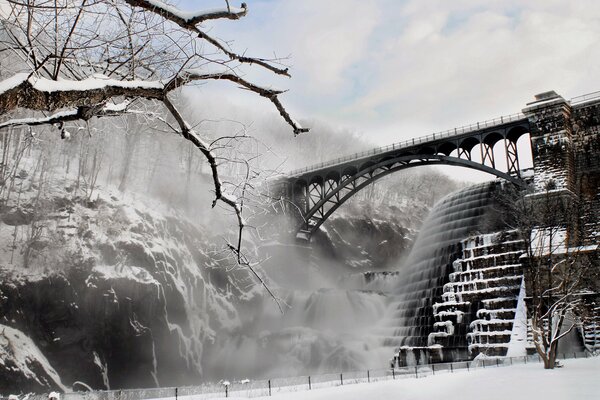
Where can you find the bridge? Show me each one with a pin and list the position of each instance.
(317, 191)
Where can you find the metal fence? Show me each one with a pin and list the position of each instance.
(269, 387)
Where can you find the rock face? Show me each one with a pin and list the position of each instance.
(118, 297)
(368, 238)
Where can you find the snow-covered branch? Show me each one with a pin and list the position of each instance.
(189, 18)
(92, 93)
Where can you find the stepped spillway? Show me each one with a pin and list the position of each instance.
(416, 286)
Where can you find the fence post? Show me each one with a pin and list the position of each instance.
(575, 354)
(497, 362)
(309, 385)
(525, 359)
(269, 387)
(416, 371)
(432, 369)
(368, 376)
(394, 373)
(341, 380)
(539, 358)
(451, 367)
(564, 356)
(468, 367)
(175, 393)
(510, 358)
(226, 391)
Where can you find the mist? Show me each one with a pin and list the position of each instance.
(331, 297)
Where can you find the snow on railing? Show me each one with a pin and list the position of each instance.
(411, 142)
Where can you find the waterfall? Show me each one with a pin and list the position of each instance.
(360, 320)
(417, 284)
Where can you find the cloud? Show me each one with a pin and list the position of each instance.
(457, 62)
(399, 69)
(325, 39)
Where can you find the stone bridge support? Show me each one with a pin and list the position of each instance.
(551, 142)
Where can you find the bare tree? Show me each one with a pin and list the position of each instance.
(72, 61)
(558, 271)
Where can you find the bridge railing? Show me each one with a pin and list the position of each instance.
(588, 97)
(411, 142)
(585, 98)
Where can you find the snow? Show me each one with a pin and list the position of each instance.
(27, 121)
(93, 82)
(110, 107)
(125, 272)
(12, 82)
(518, 339)
(190, 15)
(19, 353)
(578, 379)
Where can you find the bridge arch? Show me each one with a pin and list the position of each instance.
(325, 200)
(319, 191)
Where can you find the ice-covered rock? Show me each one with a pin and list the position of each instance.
(23, 367)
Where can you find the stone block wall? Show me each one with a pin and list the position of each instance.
(586, 144)
(551, 142)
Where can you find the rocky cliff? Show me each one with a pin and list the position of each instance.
(119, 293)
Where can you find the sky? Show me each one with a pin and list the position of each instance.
(393, 70)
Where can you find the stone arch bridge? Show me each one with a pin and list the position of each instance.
(315, 192)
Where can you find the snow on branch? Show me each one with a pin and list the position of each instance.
(81, 113)
(91, 94)
(180, 17)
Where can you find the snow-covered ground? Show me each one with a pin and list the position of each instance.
(579, 379)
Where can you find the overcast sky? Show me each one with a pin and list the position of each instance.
(397, 69)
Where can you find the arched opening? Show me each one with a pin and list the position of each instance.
(447, 148)
(500, 155)
(525, 151)
(465, 148)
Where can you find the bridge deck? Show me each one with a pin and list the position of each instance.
(451, 134)
(455, 133)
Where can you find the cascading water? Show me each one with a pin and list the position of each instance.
(357, 321)
(417, 284)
